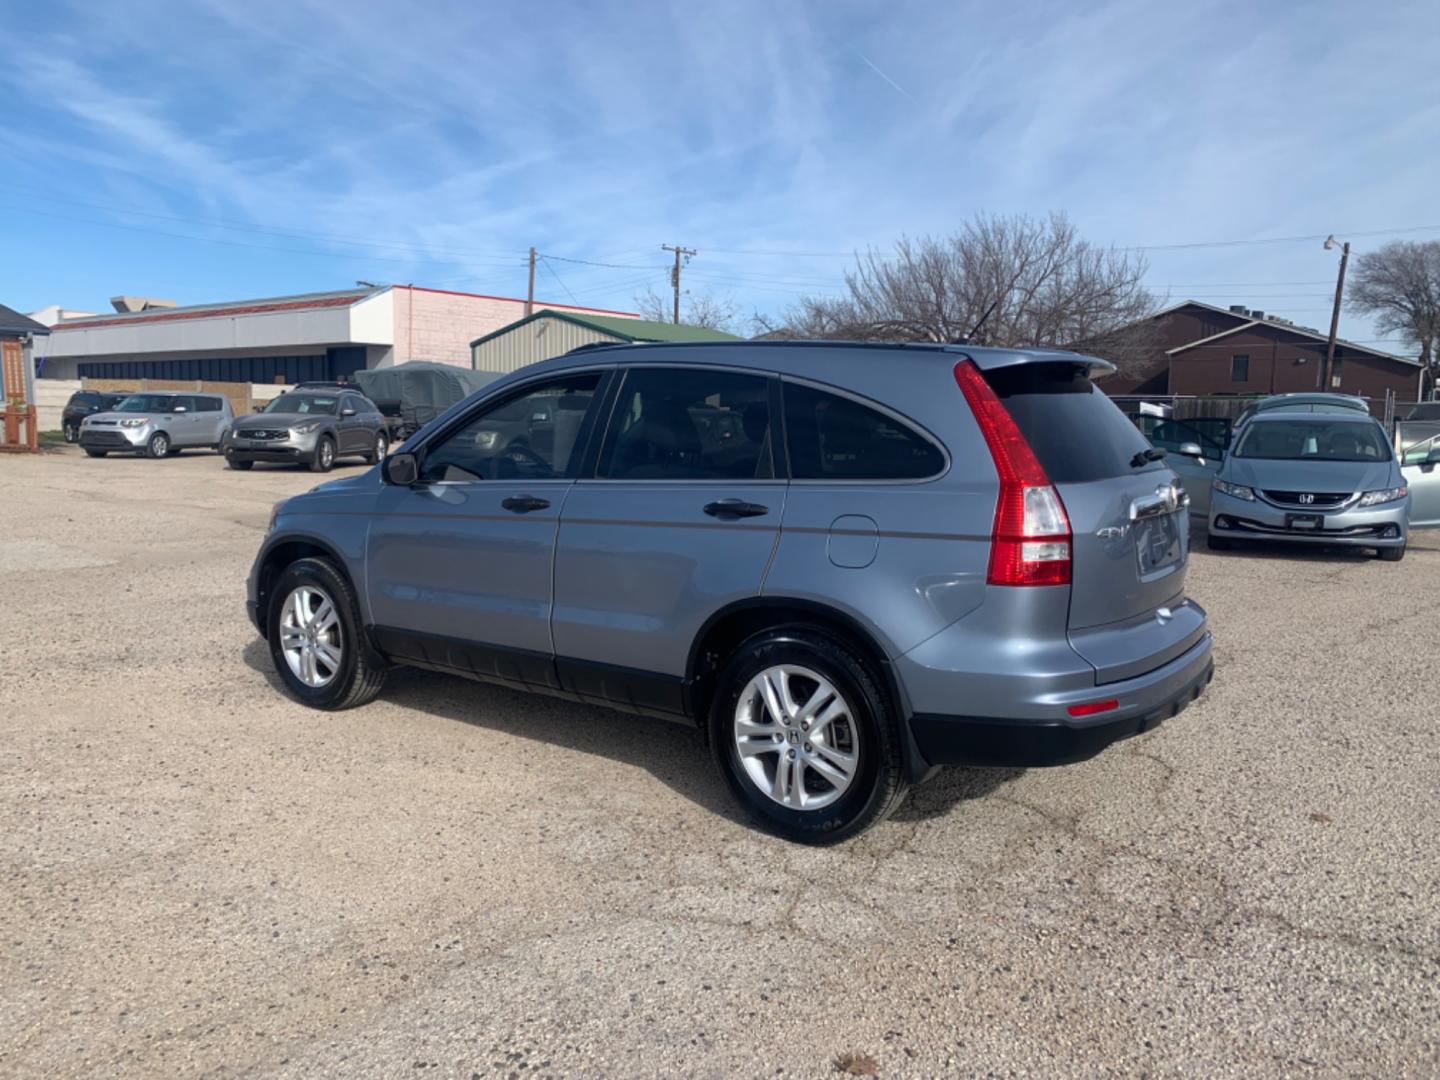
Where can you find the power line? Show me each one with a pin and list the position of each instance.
(551, 270)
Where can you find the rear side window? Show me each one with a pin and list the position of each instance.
(1077, 432)
(83, 398)
(694, 424)
(835, 438)
(207, 404)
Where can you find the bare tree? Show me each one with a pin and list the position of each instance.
(702, 309)
(1041, 283)
(1399, 286)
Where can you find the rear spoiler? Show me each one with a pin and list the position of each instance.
(987, 359)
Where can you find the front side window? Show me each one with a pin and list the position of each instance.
(690, 424)
(531, 436)
(1240, 368)
(1313, 440)
(835, 438)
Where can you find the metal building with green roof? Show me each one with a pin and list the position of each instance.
(549, 333)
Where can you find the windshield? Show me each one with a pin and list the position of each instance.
(147, 403)
(1425, 411)
(303, 403)
(1313, 440)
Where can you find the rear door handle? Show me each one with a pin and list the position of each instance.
(735, 508)
(523, 504)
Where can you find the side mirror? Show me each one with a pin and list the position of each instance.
(1190, 449)
(1433, 458)
(347, 411)
(402, 470)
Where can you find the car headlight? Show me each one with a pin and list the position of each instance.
(1238, 491)
(1375, 498)
(274, 513)
(307, 428)
(486, 440)
(138, 421)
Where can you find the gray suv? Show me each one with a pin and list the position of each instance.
(847, 564)
(157, 424)
(311, 427)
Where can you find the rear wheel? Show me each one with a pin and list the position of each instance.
(1218, 543)
(158, 446)
(806, 737)
(1391, 554)
(315, 638)
(324, 459)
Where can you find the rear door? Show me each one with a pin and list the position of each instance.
(185, 421)
(1130, 527)
(352, 431)
(680, 518)
(1423, 478)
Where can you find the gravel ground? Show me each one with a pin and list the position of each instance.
(198, 876)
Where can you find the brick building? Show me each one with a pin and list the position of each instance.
(1202, 349)
(286, 338)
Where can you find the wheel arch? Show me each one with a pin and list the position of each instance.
(281, 553)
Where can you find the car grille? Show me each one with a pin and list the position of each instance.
(1322, 499)
(104, 423)
(262, 434)
(103, 438)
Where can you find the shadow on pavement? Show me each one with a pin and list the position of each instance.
(949, 788)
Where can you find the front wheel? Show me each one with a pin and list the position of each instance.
(315, 638)
(158, 446)
(239, 465)
(95, 453)
(324, 459)
(1391, 554)
(72, 432)
(806, 737)
(1217, 543)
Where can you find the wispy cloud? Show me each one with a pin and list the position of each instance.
(871, 65)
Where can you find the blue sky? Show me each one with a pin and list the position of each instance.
(217, 150)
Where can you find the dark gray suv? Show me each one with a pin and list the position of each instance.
(309, 426)
(847, 564)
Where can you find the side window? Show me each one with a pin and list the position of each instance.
(689, 424)
(207, 404)
(835, 438)
(531, 436)
(175, 404)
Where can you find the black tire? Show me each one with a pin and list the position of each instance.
(361, 674)
(1390, 554)
(72, 431)
(240, 466)
(95, 453)
(878, 785)
(324, 459)
(158, 445)
(378, 449)
(1218, 543)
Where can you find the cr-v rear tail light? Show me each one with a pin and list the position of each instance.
(1030, 541)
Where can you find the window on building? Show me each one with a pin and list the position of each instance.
(1240, 368)
(836, 438)
(693, 424)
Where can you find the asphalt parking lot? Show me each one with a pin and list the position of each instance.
(201, 877)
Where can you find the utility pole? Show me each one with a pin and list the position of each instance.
(1335, 315)
(675, 273)
(530, 293)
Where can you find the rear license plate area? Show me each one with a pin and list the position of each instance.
(1157, 544)
(1305, 522)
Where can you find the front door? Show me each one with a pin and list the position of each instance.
(1423, 478)
(680, 518)
(458, 566)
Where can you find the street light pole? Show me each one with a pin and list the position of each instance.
(1335, 315)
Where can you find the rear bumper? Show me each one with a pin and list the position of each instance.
(955, 739)
(1241, 519)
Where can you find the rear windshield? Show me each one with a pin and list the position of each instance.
(1313, 440)
(1075, 430)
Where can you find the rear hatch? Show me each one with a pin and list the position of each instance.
(1130, 529)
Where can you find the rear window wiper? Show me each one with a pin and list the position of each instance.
(1144, 457)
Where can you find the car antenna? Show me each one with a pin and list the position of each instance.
(965, 340)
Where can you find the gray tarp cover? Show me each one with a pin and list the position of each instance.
(421, 390)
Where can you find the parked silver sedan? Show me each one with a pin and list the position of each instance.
(1321, 478)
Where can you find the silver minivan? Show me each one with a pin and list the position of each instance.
(158, 424)
(846, 564)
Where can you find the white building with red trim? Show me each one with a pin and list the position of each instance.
(281, 339)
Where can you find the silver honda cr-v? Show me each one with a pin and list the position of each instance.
(847, 564)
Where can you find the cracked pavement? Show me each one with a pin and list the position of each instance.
(200, 877)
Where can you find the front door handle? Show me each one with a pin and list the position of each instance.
(523, 504)
(735, 508)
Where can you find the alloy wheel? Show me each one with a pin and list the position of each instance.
(796, 737)
(310, 636)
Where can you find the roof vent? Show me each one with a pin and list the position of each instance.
(127, 304)
(1257, 315)
(1239, 309)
